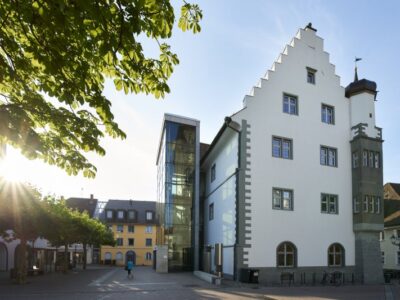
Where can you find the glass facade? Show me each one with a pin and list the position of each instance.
(175, 193)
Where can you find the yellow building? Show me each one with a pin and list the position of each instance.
(134, 226)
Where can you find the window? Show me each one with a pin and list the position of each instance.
(355, 160)
(377, 205)
(120, 241)
(376, 156)
(282, 199)
(335, 255)
(149, 215)
(371, 206)
(149, 229)
(365, 203)
(120, 228)
(282, 147)
(131, 242)
(131, 215)
(365, 158)
(290, 104)
(109, 214)
(328, 156)
(398, 258)
(286, 255)
(148, 256)
(119, 256)
(149, 242)
(383, 257)
(311, 75)
(131, 228)
(356, 205)
(327, 114)
(211, 212)
(120, 214)
(212, 172)
(329, 204)
(371, 159)
(382, 235)
(110, 227)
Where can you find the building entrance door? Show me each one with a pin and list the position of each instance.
(131, 255)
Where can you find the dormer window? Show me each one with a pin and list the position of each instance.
(311, 75)
(131, 215)
(149, 215)
(109, 214)
(120, 214)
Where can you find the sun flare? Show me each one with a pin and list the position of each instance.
(12, 168)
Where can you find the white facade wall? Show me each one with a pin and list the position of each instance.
(222, 192)
(310, 230)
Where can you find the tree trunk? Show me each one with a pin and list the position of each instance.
(84, 255)
(21, 262)
(66, 260)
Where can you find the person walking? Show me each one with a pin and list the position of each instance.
(129, 268)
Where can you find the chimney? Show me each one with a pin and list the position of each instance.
(91, 197)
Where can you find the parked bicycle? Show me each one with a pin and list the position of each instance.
(333, 278)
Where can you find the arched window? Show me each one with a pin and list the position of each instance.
(336, 255)
(148, 256)
(286, 255)
(118, 256)
(107, 256)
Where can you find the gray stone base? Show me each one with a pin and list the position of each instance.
(304, 275)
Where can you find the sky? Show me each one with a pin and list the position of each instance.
(238, 43)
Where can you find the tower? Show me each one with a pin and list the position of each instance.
(367, 179)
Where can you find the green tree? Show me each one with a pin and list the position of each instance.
(60, 225)
(91, 232)
(20, 217)
(55, 56)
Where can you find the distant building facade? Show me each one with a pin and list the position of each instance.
(134, 226)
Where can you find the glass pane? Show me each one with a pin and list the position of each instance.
(324, 204)
(323, 114)
(332, 204)
(281, 260)
(277, 199)
(286, 104)
(376, 160)
(293, 106)
(287, 200)
(286, 149)
(330, 259)
(338, 259)
(290, 260)
(276, 147)
(323, 155)
(332, 157)
(365, 158)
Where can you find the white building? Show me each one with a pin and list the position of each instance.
(293, 181)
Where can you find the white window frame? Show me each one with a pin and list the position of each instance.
(149, 229)
(282, 145)
(365, 158)
(282, 199)
(355, 160)
(149, 215)
(311, 78)
(328, 200)
(328, 156)
(327, 114)
(120, 214)
(109, 214)
(365, 203)
(290, 104)
(118, 226)
(356, 205)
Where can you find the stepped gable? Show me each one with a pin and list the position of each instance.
(306, 37)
